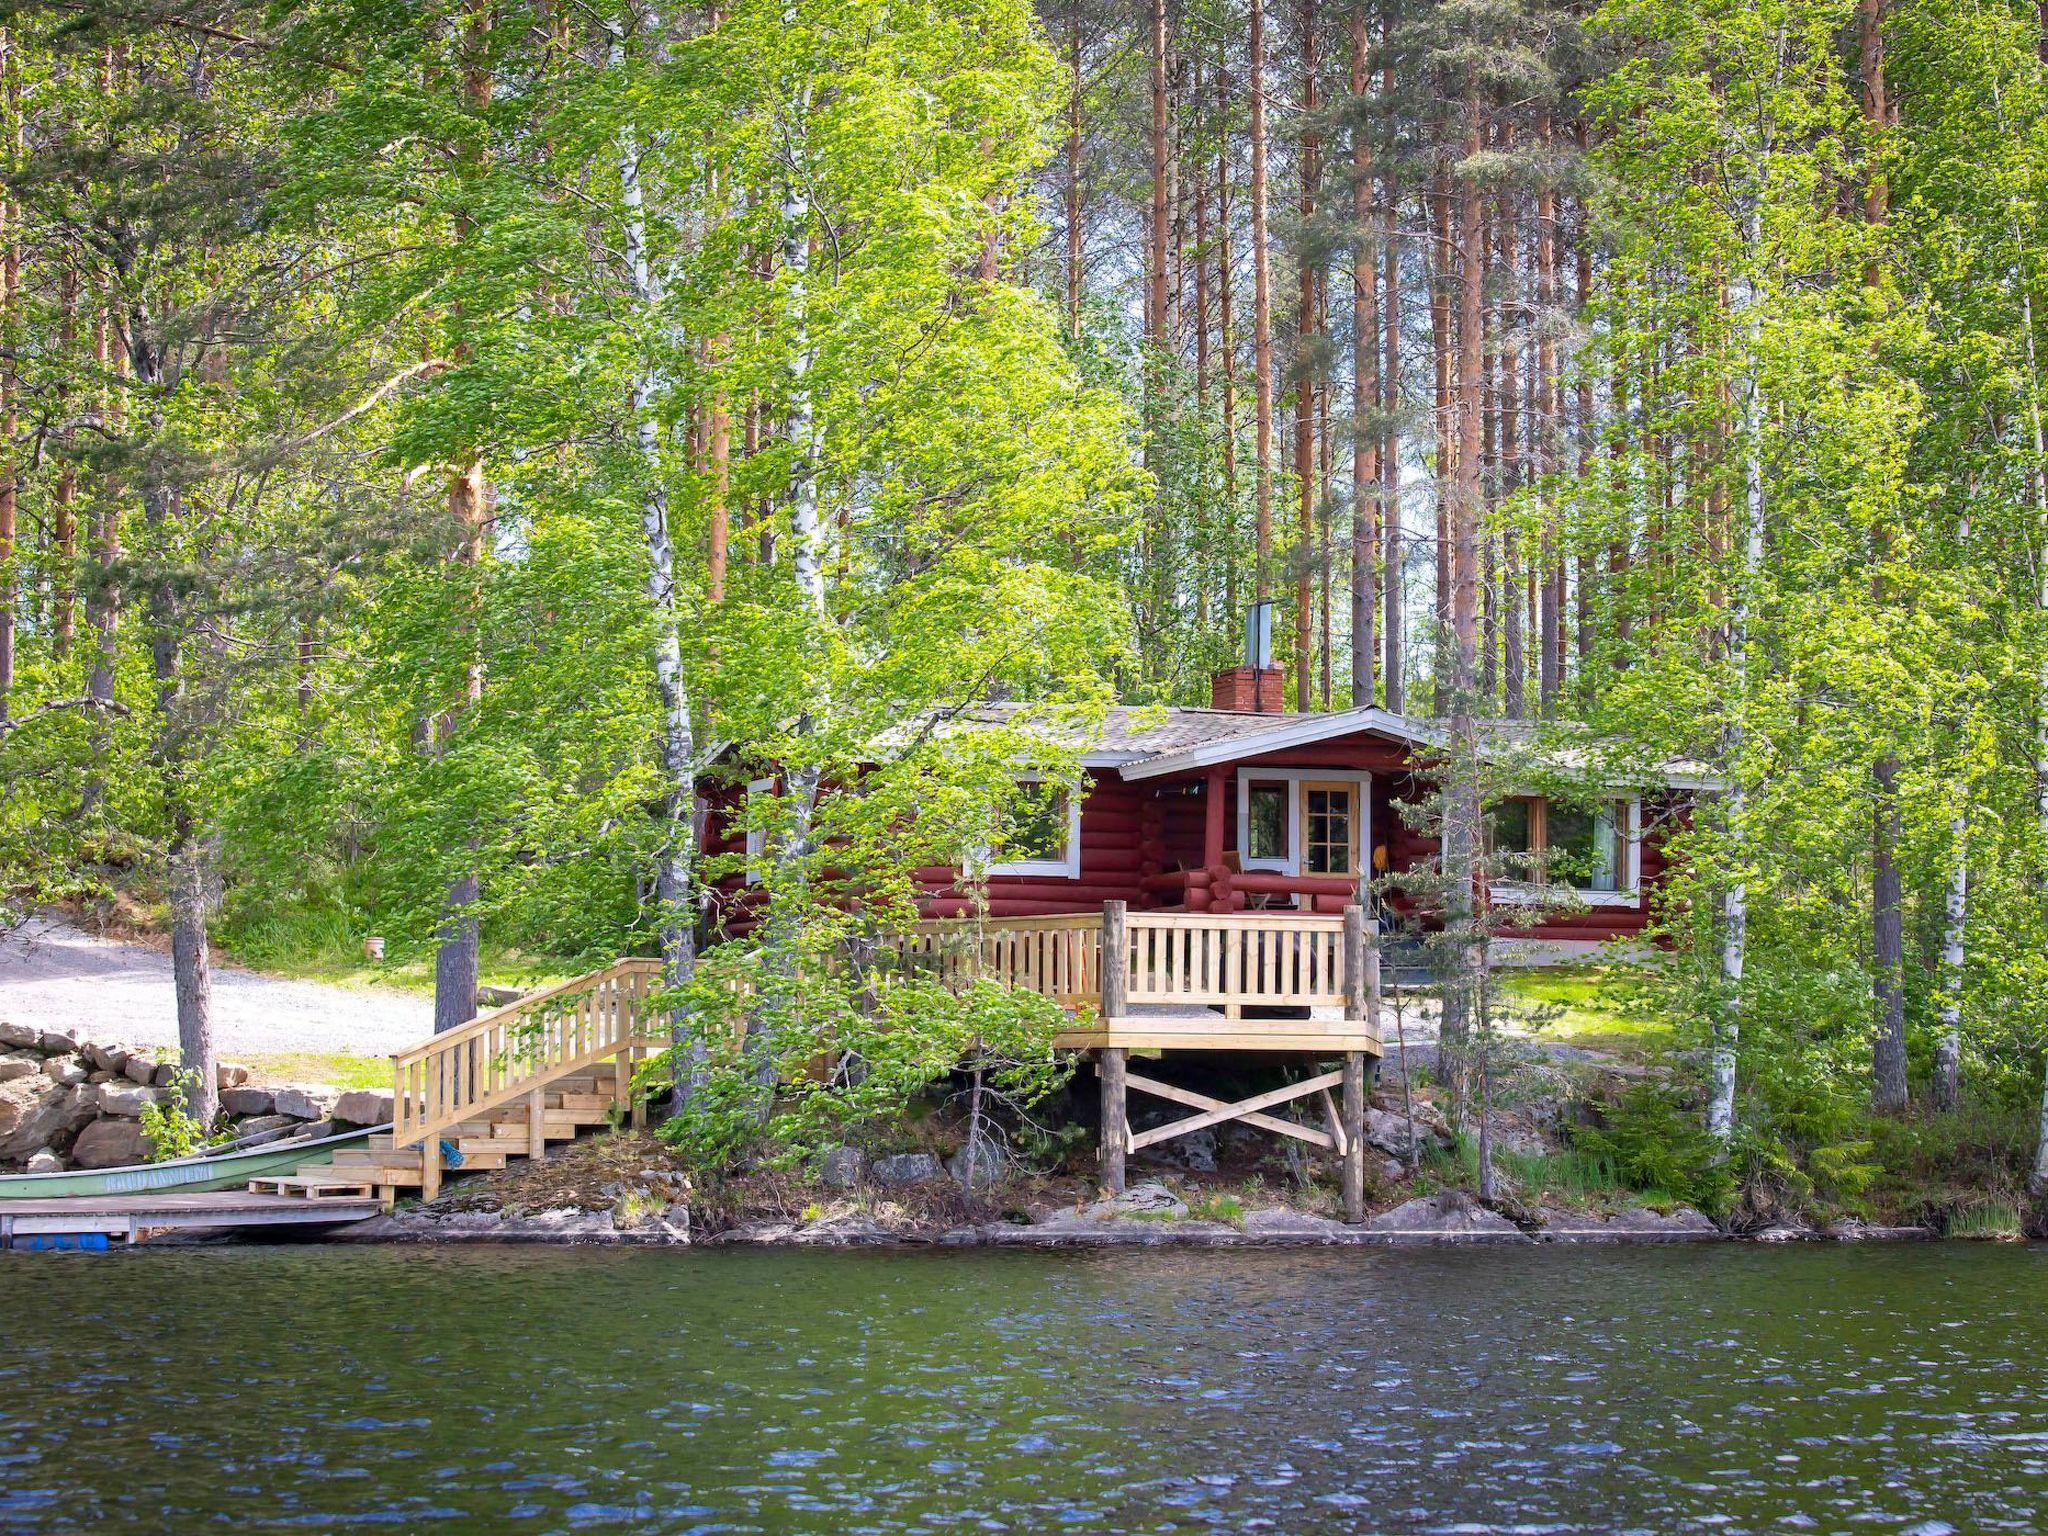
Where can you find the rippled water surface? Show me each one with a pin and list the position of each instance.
(579, 1389)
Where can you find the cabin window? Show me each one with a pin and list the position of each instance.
(1590, 850)
(758, 790)
(1266, 822)
(1040, 832)
(1587, 847)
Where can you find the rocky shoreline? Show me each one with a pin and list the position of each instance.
(1146, 1222)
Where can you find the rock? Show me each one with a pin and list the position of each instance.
(1387, 1130)
(141, 1069)
(37, 1113)
(45, 1161)
(57, 1042)
(1638, 1224)
(15, 1065)
(488, 996)
(124, 1099)
(21, 1037)
(1196, 1151)
(364, 1106)
(1282, 1225)
(1782, 1232)
(1449, 1217)
(110, 1144)
(64, 1069)
(166, 1075)
(265, 1123)
(230, 1074)
(101, 1077)
(842, 1168)
(1855, 1230)
(903, 1169)
(104, 1058)
(1150, 1199)
(313, 1130)
(304, 1101)
(991, 1161)
(248, 1101)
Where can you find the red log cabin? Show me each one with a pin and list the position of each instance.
(1246, 807)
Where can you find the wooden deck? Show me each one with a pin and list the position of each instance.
(127, 1217)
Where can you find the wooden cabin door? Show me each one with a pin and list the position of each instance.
(1329, 828)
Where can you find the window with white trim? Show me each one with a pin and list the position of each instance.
(1593, 852)
(757, 833)
(1040, 832)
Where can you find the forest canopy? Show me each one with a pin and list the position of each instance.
(448, 443)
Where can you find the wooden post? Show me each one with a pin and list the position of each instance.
(536, 1127)
(1372, 974)
(1354, 1136)
(1115, 1125)
(1355, 1000)
(430, 1167)
(1116, 961)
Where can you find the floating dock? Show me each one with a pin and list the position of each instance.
(91, 1220)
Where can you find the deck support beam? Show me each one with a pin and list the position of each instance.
(430, 1168)
(1354, 1136)
(1116, 1125)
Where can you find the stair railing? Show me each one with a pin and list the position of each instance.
(510, 1052)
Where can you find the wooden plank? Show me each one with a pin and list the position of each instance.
(1115, 959)
(1237, 1111)
(1195, 1100)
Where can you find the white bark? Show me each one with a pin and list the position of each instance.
(1727, 1028)
(675, 857)
(1948, 1055)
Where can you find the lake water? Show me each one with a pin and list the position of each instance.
(520, 1389)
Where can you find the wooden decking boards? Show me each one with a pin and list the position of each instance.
(127, 1217)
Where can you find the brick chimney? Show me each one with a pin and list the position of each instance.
(1250, 690)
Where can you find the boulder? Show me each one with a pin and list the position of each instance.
(37, 1113)
(126, 1100)
(45, 1161)
(991, 1159)
(166, 1074)
(57, 1042)
(20, 1037)
(257, 1125)
(1147, 1199)
(247, 1101)
(304, 1101)
(1278, 1224)
(141, 1069)
(1446, 1218)
(109, 1144)
(103, 1058)
(18, 1064)
(1196, 1151)
(64, 1069)
(903, 1169)
(230, 1074)
(1638, 1224)
(364, 1106)
(1388, 1131)
(842, 1168)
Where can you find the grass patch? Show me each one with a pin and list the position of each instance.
(1227, 1209)
(1992, 1222)
(1574, 1004)
(1571, 1177)
(342, 1069)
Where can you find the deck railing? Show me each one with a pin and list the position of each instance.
(1060, 956)
(507, 1053)
(1236, 960)
(1192, 960)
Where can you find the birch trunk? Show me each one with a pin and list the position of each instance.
(1948, 1054)
(674, 857)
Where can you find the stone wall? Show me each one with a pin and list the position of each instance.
(67, 1102)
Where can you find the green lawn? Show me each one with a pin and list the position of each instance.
(346, 967)
(341, 1069)
(1572, 1004)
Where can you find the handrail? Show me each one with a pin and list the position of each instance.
(510, 1052)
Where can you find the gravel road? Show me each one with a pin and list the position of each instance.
(55, 975)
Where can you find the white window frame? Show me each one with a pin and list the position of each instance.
(1523, 893)
(1067, 868)
(757, 836)
(1294, 778)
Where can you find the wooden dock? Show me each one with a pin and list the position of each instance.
(129, 1217)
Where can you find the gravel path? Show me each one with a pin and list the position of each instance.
(55, 975)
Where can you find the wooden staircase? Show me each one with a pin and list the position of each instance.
(546, 1068)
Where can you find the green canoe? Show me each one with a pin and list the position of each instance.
(190, 1175)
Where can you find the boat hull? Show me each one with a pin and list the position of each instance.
(190, 1175)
